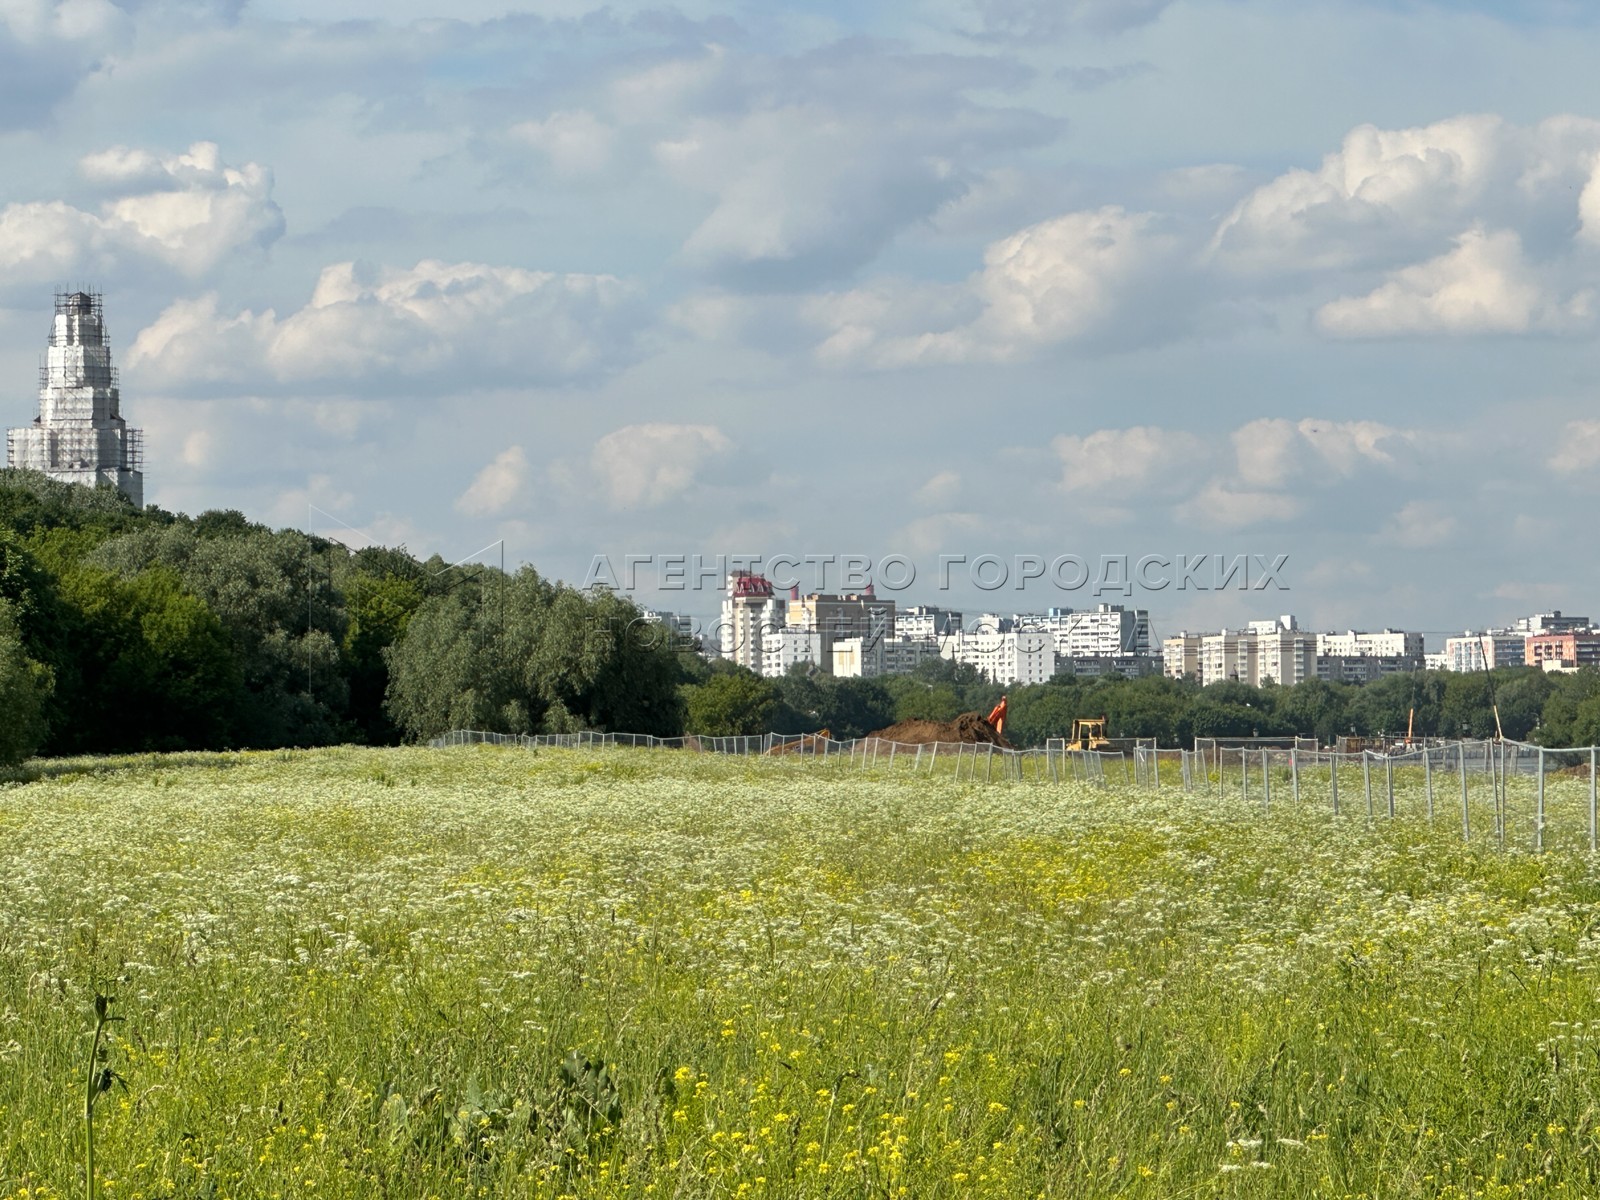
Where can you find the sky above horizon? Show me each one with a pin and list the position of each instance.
(1019, 278)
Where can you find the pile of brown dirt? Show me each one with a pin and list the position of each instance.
(810, 743)
(968, 728)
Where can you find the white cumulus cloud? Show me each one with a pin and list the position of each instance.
(1273, 452)
(188, 211)
(642, 466)
(500, 484)
(424, 323)
(1420, 524)
(1387, 196)
(1122, 461)
(1484, 285)
(1100, 276)
(1580, 448)
(811, 164)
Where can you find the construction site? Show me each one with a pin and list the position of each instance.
(79, 435)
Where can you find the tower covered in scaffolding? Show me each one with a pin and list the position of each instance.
(79, 435)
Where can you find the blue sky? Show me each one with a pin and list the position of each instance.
(1092, 277)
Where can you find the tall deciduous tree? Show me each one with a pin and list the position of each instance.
(733, 704)
(24, 688)
(519, 654)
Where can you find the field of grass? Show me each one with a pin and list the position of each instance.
(493, 972)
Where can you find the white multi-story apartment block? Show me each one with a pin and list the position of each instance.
(925, 621)
(1277, 650)
(783, 648)
(868, 658)
(1104, 666)
(1180, 655)
(1364, 668)
(1389, 643)
(1286, 656)
(1481, 651)
(1107, 630)
(1021, 656)
(1550, 622)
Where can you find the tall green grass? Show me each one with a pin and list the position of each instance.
(490, 972)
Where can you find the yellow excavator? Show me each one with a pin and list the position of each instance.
(1089, 733)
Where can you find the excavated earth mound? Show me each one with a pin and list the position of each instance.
(968, 728)
(810, 743)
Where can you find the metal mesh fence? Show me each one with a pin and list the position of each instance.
(1514, 794)
(1055, 762)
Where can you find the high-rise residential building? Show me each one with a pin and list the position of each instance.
(1389, 643)
(1107, 630)
(789, 646)
(854, 614)
(1180, 655)
(1481, 651)
(1020, 656)
(1104, 666)
(1365, 668)
(922, 621)
(1277, 650)
(1551, 622)
(867, 658)
(1563, 651)
(79, 435)
(749, 611)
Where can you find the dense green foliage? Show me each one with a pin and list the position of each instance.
(409, 973)
(24, 688)
(150, 630)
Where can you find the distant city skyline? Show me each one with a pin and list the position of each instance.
(977, 277)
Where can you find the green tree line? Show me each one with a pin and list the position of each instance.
(129, 630)
(1553, 709)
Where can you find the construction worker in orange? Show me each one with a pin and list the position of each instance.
(997, 717)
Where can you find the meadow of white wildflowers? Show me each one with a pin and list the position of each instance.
(494, 972)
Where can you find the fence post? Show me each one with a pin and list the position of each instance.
(1294, 774)
(1427, 779)
(1266, 786)
(1466, 819)
(1366, 775)
(988, 763)
(1538, 819)
(1502, 792)
(933, 760)
(1333, 772)
(1594, 802)
(1244, 777)
(1388, 763)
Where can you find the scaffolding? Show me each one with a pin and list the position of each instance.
(79, 435)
